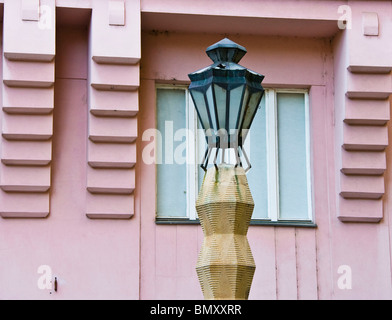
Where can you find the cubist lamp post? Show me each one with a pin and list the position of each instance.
(226, 96)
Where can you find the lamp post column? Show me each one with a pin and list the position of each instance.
(226, 96)
(225, 266)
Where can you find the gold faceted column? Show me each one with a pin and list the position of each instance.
(225, 265)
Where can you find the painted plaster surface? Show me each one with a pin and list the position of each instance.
(77, 201)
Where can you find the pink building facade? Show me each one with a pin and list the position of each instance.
(84, 89)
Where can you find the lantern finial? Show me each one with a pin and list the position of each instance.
(226, 50)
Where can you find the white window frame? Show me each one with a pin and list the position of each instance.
(198, 145)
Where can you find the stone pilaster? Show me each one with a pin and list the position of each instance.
(113, 106)
(363, 84)
(27, 105)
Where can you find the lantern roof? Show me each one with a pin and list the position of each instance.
(226, 50)
(225, 54)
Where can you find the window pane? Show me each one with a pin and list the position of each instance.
(171, 175)
(257, 152)
(293, 199)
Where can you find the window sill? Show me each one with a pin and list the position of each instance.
(176, 221)
(255, 222)
(287, 223)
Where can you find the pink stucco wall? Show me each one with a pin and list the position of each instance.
(77, 96)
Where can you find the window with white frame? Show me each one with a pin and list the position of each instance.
(278, 146)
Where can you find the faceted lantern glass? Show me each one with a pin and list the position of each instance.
(226, 96)
(249, 113)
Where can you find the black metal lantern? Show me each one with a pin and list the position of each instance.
(226, 96)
